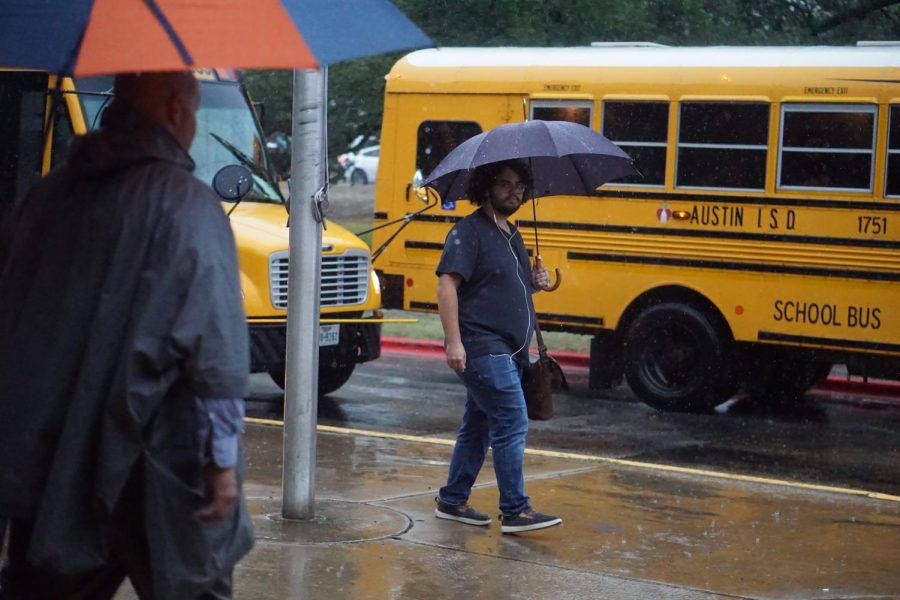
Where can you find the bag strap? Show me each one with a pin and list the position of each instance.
(542, 351)
(542, 348)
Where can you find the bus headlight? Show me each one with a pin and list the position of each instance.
(376, 283)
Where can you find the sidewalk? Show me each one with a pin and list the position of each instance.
(628, 532)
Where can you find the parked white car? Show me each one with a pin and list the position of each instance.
(360, 167)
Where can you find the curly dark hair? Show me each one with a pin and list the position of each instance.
(484, 176)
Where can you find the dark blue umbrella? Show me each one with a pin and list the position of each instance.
(567, 159)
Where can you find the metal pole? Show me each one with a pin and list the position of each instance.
(302, 368)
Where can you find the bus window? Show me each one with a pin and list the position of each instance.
(435, 140)
(562, 110)
(827, 147)
(94, 93)
(22, 97)
(640, 128)
(892, 177)
(723, 145)
(226, 132)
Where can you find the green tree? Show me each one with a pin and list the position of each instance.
(356, 88)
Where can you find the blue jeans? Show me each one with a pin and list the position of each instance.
(495, 416)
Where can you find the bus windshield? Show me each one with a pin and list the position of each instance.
(227, 132)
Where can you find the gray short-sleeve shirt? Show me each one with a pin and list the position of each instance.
(496, 314)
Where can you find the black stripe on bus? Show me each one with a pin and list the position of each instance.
(436, 246)
(864, 80)
(805, 339)
(423, 305)
(437, 219)
(560, 318)
(735, 266)
(702, 233)
(707, 198)
(428, 218)
(765, 201)
(597, 321)
(424, 245)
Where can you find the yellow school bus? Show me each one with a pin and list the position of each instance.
(759, 246)
(228, 132)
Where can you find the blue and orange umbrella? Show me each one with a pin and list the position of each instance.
(94, 37)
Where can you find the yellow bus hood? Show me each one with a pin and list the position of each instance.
(264, 226)
(260, 230)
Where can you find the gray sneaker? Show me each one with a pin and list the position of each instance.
(462, 513)
(528, 520)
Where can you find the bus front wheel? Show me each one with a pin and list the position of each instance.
(676, 359)
(331, 377)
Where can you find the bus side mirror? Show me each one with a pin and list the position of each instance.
(233, 182)
(420, 192)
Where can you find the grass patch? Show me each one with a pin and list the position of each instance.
(429, 327)
(353, 225)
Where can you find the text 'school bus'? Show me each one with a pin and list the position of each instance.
(228, 132)
(758, 248)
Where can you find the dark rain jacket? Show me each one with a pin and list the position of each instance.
(120, 306)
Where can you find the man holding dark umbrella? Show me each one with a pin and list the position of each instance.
(123, 366)
(484, 300)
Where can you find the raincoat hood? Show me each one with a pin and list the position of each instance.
(127, 136)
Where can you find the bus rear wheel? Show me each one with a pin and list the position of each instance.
(676, 359)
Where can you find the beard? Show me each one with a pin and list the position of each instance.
(505, 208)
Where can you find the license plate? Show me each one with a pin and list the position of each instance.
(329, 335)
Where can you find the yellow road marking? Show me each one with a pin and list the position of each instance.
(402, 437)
(329, 321)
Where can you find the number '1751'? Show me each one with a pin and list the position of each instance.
(873, 225)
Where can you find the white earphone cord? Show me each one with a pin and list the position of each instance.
(519, 277)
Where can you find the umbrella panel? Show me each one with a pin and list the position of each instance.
(98, 37)
(222, 33)
(566, 159)
(576, 175)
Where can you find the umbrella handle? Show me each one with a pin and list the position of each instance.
(538, 264)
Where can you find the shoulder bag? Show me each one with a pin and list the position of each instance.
(537, 381)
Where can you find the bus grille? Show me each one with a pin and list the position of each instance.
(345, 279)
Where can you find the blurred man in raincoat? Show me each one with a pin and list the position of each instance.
(123, 366)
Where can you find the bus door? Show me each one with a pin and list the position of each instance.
(427, 128)
(22, 105)
(419, 131)
(575, 304)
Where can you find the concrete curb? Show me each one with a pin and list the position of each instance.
(843, 385)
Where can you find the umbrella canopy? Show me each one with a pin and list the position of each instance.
(566, 159)
(95, 37)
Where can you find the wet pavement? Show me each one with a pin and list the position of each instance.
(628, 532)
(830, 440)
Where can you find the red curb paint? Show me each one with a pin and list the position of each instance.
(392, 344)
(871, 387)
